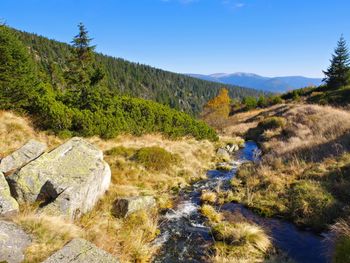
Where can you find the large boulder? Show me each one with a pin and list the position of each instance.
(81, 251)
(28, 152)
(125, 206)
(67, 181)
(13, 242)
(8, 205)
(223, 155)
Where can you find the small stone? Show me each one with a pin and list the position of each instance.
(81, 251)
(8, 205)
(123, 207)
(13, 242)
(28, 152)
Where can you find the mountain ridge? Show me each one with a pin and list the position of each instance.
(279, 84)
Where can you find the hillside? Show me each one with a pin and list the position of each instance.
(126, 78)
(130, 239)
(304, 172)
(271, 84)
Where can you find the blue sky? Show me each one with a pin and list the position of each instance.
(267, 37)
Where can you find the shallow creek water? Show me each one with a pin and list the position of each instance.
(185, 238)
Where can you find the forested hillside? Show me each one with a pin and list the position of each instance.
(76, 100)
(127, 78)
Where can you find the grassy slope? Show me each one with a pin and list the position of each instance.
(304, 173)
(130, 239)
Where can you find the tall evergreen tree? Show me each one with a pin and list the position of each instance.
(84, 75)
(17, 74)
(338, 73)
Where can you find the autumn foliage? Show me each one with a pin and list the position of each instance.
(217, 110)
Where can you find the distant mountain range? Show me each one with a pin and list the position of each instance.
(250, 80)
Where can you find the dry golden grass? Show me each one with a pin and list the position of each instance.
(239, 123)
(209, 197)
(49, 235)
(312, 132)
(211, 214)
(17, 130)
(128, 239)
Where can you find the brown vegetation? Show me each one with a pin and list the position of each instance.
(304, 170)
(160, 169)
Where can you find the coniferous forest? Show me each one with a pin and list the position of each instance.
(72, 96)
(132, 79)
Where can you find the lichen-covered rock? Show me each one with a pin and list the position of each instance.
(125, 206)
(28, 152)
(8, 205)
(223, 155)
(81, 251)
(67, 181)
(13, 242)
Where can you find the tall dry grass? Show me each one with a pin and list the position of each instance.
(128, 239)
(16, 130)
(312, 132)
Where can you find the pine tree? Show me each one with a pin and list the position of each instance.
(17, 74)
(338, 73)
(84, 75)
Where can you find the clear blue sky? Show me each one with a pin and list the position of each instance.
(268, 37)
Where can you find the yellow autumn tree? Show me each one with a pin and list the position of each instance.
(217, 110)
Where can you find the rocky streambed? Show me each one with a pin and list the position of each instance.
(186, 238)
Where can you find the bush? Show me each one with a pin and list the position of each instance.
(121, 151)
(311, 204)
(250, 103)
(155, 158)
(272, 123)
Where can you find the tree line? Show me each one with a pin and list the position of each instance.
(132, 79)
(78, 101)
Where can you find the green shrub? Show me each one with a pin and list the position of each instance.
(311, 204)
(155, 158)
(250, 102)
(342, 250)
(65, 134)
(272, 123)
(121, 151)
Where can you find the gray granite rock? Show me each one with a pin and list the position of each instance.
(223, 155)
(8, 205)
(123, 207)
(13, 242)
(81, 251)
(68, 181)
(28, 152)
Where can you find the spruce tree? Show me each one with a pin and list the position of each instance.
(338, 73)
(17, 74)
(84, 75)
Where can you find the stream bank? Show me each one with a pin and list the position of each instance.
(186, 238)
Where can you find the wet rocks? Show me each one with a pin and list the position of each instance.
(125, 206)
(81, 251)
(67, 181)
(8, 205)
(232, 148)
(28, 152)
(224, 166)
(13, 242)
